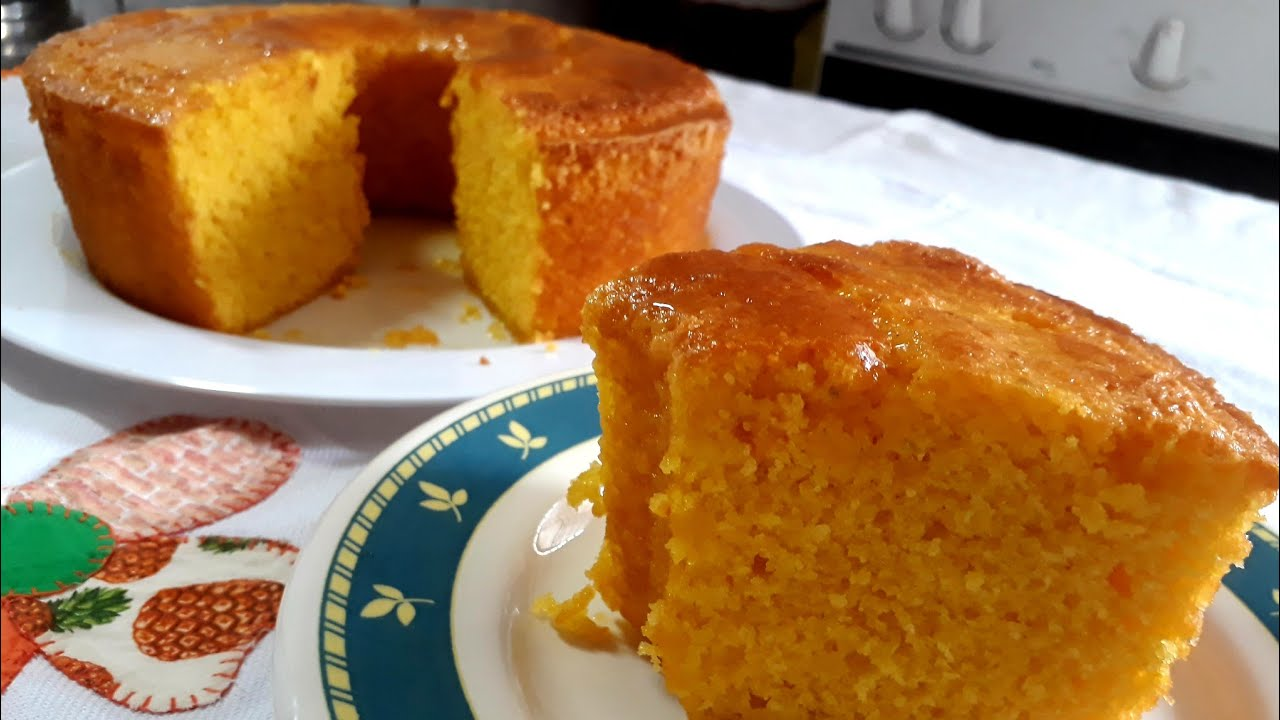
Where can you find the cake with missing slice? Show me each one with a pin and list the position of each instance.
(885, 482)
(220, 163)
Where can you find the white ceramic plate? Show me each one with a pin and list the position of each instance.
(463, 521)
(330, 351)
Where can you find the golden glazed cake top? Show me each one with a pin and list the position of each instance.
(897, 309)
(573, 84)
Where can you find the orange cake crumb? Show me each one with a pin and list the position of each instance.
(470, 313)
(353, 281)
(498, 331)
(448, 266)
(484, 360)
(416, 335)
(571, 621)
(75, 260)
(886, 483)
(588, 487)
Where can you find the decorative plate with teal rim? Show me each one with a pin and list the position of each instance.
(412, 598)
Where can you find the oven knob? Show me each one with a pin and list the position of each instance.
(1159, 65)
(963, 27)
(897, 19)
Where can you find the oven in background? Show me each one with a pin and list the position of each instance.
(1177, 87)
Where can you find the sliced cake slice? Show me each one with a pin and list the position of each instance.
(885, 482)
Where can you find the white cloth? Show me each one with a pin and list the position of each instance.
(1186, 265)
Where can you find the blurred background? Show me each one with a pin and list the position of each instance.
(1178, 87)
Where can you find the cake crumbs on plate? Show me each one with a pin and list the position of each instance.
(470, 313)
(571, 622)
(498, 331)
(448, 266)
(416, 335)
(353, 281)
(485, 360)
(588, 487)
(75, 260)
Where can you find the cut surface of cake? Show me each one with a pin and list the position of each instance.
(220, 163)
(885, 482)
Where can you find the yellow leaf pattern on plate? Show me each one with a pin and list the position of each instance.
(388, 592)
(378, 608)
(521, 439)
(440, 500)
(392, 599)
(434, 491)
(405, 613)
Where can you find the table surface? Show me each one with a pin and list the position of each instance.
(1206, 262)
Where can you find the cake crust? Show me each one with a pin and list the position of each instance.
(895, 302)
(150, 65)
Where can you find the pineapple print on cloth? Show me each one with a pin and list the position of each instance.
(169, 475)
(165, 622)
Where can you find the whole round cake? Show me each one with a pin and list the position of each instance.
(219, 164)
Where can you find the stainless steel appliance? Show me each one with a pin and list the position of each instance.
(1190, 85)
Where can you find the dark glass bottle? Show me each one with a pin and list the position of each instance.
(772, 41)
